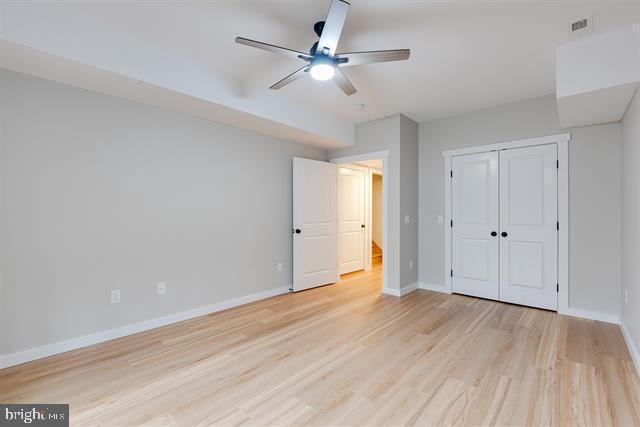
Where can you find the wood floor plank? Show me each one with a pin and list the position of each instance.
(347, 354)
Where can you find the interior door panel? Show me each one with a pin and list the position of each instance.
(314, 224)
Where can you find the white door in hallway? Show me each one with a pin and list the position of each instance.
(475, 245)
(315, 228)
(351, 218)
(528, 226)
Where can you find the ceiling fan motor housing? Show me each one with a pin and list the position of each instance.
(318, 27)
(319, 59)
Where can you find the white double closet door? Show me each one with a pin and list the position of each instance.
(504, 225)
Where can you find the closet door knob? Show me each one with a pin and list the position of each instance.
(494, 234)
(504, 234)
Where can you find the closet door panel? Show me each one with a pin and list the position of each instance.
(528, 233)
(474, 190)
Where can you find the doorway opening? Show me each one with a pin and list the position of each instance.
(376, 164)
(360, 216)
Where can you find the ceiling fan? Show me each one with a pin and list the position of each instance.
(323, 63)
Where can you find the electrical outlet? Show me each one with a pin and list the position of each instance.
(410, 264)
(626, 296)
(161, 288)
(406, 219)
(279, 266)
(115, 296)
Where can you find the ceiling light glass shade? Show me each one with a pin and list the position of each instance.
(322, 71)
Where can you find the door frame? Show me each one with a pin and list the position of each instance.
(384, 155)
(562, 142)
(366, 251)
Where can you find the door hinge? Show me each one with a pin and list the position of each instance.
(557, 164)
(452, 273)
(557, 287)
(452, 173)
(451, 223)
(557, 225)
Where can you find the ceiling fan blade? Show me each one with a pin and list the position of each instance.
(273, 48)
(291, 77)
(343, 83)
(333, 27)
(359, 58)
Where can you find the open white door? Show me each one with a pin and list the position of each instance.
(475, 250)
(315, 231)
(351, 217)
(528, 226)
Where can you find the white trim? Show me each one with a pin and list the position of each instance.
(633, 348)
(134, 328)
(434, 288)
(528, 142)
(368, 235)
(592, 315)
(391, 291)
(401, 291)
(384, 155)
(365, 156)
(562, 142)
(563, 219)
(448, 286)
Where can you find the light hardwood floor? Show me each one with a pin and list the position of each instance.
(345, 354)
(375, 250)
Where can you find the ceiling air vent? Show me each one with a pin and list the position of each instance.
(580, 27)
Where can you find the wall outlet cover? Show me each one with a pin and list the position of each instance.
(161, 288)
(115, 296)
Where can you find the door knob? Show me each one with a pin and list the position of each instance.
(362, 226)
(504, 234)
(298, 231)
(494, 234)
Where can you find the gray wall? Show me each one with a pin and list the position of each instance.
(398, 135)
(99, 193)
(409, 195)
(594, 186)
(631, 220)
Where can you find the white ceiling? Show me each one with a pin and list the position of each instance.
(465, 56)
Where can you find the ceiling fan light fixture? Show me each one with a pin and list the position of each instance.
(322, 72)
(322, 68)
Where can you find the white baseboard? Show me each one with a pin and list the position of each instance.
(408, 289)
(591, 315)
(634, 350)
(432, 287)
(110, 334)
(392, 291)
(400, 292)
